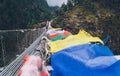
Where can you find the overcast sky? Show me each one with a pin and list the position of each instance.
(56, 2)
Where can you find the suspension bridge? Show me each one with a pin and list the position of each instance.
(12, 68)
(80, 54)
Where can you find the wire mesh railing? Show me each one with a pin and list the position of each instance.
(12, 69)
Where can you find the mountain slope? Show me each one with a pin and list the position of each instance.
(100, 18)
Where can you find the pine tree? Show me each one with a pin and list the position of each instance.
(69, 5)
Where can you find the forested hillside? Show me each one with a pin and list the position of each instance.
(20, 14)
(99, 17)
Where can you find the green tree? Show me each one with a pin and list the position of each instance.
(69, 5)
